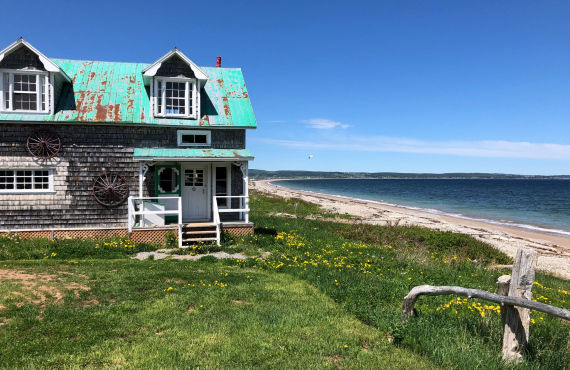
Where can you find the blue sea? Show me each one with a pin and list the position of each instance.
(542, 205)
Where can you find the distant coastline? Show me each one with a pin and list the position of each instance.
(293, 174)
(519, 225)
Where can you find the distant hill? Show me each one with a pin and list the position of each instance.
(262, 174)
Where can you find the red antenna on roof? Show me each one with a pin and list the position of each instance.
(218, 62)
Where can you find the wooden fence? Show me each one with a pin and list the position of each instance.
(514, 296)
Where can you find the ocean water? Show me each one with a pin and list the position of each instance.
(533, 204)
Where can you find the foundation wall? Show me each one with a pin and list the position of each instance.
(150, 235)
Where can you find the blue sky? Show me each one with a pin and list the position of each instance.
(408, 86)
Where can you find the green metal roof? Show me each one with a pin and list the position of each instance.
(213, 154)
(110, 92)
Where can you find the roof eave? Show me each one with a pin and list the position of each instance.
(192, 159)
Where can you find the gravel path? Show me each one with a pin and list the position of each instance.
(167, 253)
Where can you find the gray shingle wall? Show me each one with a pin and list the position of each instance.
(87, 152)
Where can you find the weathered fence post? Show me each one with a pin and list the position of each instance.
(503, 284)
(516, 320)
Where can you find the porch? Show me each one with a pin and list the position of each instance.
(198, 192)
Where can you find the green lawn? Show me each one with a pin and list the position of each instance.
(328, 296)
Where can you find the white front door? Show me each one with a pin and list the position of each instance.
(195, 192)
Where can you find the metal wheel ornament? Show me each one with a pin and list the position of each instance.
(43, 144)
(110, 189)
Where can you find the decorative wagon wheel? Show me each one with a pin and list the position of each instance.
(110, 189)
(43, 144)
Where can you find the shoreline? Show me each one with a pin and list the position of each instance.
(553, 249)
(433, 211)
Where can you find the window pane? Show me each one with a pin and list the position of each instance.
(6, 90)
(45, 90)
(6, 180)
(159, 97)
(25, 101)
(222, 185)
(25, 83)
(168, 180)
(188, 139)
(25, 180)
(41, 180)
(198, 177)
(189, 177)
(176, 94)
(200, 139)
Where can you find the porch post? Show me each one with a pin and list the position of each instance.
(141, 179)
(143, 168)
(245, 190)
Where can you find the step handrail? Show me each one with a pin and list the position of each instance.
(216, 218)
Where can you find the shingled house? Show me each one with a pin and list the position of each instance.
(95, 149)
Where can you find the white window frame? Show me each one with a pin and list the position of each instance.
(228, 168)
(158, 87)
(46, 86)
(194, 132)
(50, 188)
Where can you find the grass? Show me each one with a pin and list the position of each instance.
(328, 296)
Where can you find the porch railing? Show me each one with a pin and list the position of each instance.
(243, 209)
(216, 213)
(152, 211)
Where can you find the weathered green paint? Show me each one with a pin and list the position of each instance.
(193, 153)
(109, 92)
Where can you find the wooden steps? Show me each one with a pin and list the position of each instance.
(199, 232)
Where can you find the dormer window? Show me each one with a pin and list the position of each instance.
(175, 97)
(27, 79)
(26, 92)
(175, 83)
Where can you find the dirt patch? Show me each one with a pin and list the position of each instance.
(282, 214)
(41, 289)
(74, 274)
(190, 309)
(2, 307)
(90, 302)
(335, 359)
(240, 301)
(179, 281)
(4, 321)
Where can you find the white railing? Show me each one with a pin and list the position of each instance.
(152, 211)
(243, 209)
(216, 212)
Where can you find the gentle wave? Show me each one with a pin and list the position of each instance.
(505, 222)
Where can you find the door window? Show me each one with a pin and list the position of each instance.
(193, 177)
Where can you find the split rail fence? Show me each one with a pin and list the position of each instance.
(514, 296)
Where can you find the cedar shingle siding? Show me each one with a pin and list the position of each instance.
(86, 152)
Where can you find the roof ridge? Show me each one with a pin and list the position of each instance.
(137, 63)
(95, 61)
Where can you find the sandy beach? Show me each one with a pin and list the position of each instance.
(553, 250)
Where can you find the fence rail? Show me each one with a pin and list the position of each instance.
(152, 211)
(515, 292)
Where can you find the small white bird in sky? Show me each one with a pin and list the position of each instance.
(311, 156)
